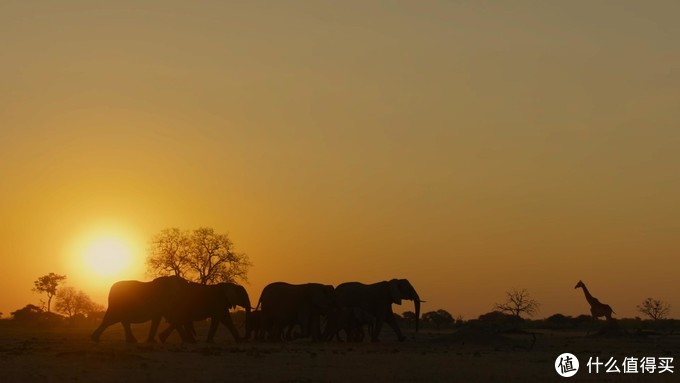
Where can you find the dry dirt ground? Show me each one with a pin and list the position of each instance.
(66, 354)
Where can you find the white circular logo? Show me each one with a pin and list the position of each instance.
(566, 365)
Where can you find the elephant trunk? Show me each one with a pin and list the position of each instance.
(247, 322)
(416, 302)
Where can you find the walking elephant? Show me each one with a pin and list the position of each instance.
(138, 302)
(285, 305)
(198, 302)
(377, 299)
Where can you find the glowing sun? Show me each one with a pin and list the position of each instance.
(107, 256)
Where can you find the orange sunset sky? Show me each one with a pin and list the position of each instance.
(468, 146)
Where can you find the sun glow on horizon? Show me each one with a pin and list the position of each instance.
(103, 253)
(107, 256)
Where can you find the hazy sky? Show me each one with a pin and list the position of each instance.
(468, 146)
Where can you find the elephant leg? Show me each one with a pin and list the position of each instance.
(250, 331)
(263, 331)
(351, 337)
(279, 330)
(329, 329)
(339, 338)
(256, 330)
(98, 332)
(187, 332)
(129, 337)
(163, 336)
(266, 327)
(327, 333)
(353, 330)
(304, 327)
(276, 332)
(314, 326)
(393, 323)
(378, 327)
(214, 322)
(106, 322)
(270, 333)
(155, 322)
(349, 332)
(226, 320)
(189, 326)
(347, 328)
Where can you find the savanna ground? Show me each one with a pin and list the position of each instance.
(66, 354)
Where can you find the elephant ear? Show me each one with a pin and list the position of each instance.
(232, 295)
(395, 291)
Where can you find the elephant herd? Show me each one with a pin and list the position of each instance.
(284, 311)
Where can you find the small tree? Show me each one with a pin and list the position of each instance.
(72, 302)
(654, 308)
(201, 255)
(439, 318)
(409, 316)
(48, 284)
(518, 302)
(27, 313)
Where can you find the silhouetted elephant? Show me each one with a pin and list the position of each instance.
(138, 302)
(285, 305)
(198, 302)
(377, 299)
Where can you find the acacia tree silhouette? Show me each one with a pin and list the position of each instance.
(654, 308)
(48, 284)
(518, 302)
(200, 255)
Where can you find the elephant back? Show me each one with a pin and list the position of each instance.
(137, 301)
(282, 296)
(356, 294)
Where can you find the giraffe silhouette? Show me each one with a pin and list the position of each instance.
(597, 309)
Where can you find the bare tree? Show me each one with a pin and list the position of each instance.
(71, 302)
(654, 308)
(201, 255)
(169, 253)
(518, 302)
(48, 284)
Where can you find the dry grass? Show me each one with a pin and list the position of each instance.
(68, 355)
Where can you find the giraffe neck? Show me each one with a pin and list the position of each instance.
(589, 297)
